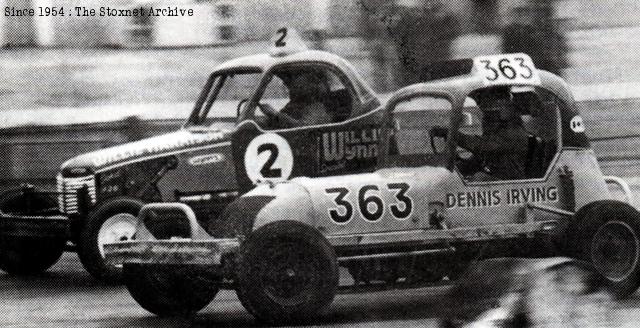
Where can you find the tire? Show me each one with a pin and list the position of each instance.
(114, 220)
(286, 272)
(29, 255)
(607, 234)
(170, 291)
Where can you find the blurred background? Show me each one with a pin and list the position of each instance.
(72, 84)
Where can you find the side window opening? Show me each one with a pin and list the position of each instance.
(304, 96)
(223, 98)
(516, 138)
(413, 143)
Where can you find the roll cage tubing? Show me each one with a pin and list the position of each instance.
(456, 90)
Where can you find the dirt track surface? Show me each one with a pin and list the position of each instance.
(67, 296)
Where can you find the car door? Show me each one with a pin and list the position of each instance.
(347, 144)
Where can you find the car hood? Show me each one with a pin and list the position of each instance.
(150, 147)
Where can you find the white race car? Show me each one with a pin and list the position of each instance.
(436, 203)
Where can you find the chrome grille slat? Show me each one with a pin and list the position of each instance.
(68, 188)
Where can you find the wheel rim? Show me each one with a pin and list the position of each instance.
(289, 273)
(120, 227)
(614, 250)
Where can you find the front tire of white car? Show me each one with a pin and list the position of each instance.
(287, 272)
(114, 220)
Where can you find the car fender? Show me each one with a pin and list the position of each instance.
(291, 201)
(264, 204)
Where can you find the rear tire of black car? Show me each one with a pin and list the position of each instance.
(171, 290)
(26, 255)
(29, 255)
(287, 272)
(607, 234)
(121, 212)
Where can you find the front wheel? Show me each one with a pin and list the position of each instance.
(170, 290)
(608, 236)
(286, 272)
(115, 220)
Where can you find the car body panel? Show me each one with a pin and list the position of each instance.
(206, 166)
(404, 210)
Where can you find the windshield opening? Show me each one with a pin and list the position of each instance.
(222, 98)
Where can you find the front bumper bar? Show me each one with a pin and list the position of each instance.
(34, 226)
(172, 251)
(199, 249)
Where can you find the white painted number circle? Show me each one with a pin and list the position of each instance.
(268, 157)
(576, 124)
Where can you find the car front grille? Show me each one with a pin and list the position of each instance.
(68, 192)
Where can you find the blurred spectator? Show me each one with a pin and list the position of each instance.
(417, 33)
(425, 36)
(379, 21)
(533, 31)
(318, 38)
(484, 16)
(134, 128)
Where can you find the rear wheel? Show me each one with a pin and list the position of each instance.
(608, 235)
(23, 255)
(170, 290)
(29, 255)
(286, 272)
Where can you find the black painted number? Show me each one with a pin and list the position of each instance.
(370, 204)
(401, 212)
(505, 68)
(366, 202)
(526, 67)
(283, 34)
(343, 205)
(267, 170)
(487, 65)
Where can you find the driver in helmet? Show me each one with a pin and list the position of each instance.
(500, 153)
(308, 91)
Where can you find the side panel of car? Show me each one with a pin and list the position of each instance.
(383, 201)
(340, 148)
(496, 202)
(199, 172)
(586, 176)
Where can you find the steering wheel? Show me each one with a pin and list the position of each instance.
(266, 109)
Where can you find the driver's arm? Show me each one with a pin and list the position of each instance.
(479, 144)
(283, 119)
(495, 143)
(311, 114)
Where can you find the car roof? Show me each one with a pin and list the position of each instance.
(265, 62)
(457, 88)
